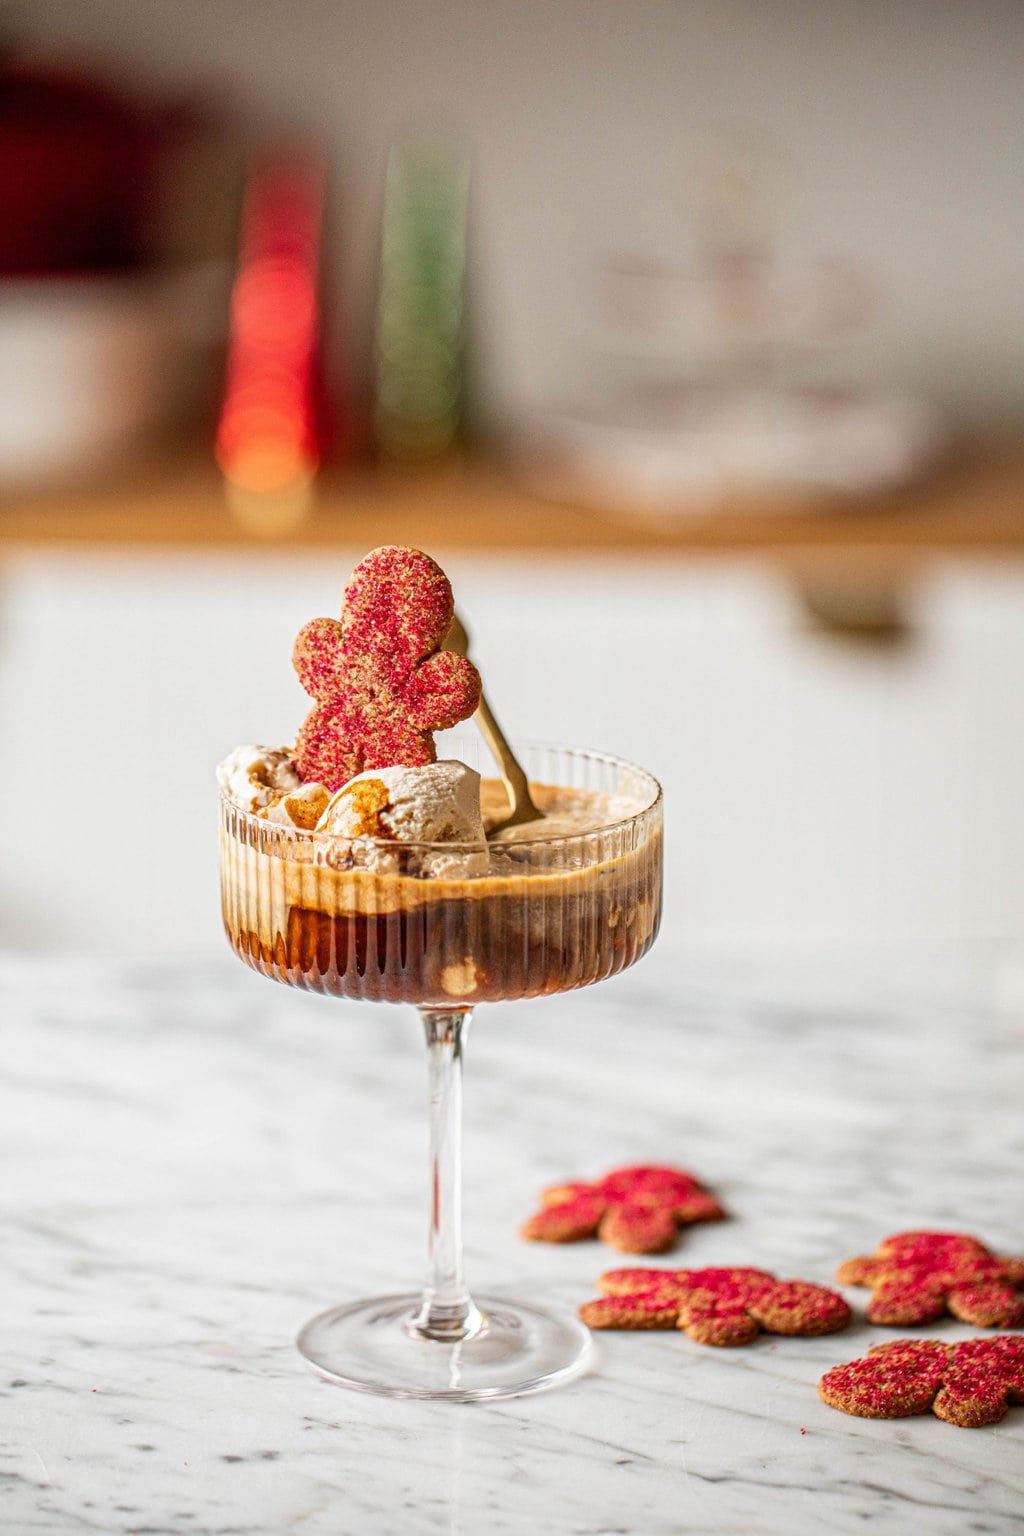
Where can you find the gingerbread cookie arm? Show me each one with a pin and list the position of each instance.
(635, 1281)
(990, 1304)
(635, 1298)
(698, 1205)
(325, 752)
(441, 691)
(569, 1213)
(984, 1377)
(1012, 1271)
(859, 1271)
(318, 658)
(655, 1309)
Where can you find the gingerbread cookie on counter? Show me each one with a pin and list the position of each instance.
(715, 1306)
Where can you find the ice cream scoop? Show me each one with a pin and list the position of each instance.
(252, 776)
(263, 782)
(434, 804)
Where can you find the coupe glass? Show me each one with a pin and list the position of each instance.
(442, 928)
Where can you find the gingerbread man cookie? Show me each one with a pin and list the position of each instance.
(969, 1384)
(919, 1276)
(381, 681)
(636, 1210)
(715, 1306)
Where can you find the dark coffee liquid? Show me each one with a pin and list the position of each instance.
(466, 950)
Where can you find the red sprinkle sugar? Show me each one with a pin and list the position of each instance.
(715, 1306)
(636, 1210)
(917, 1277)
(968, 1384)
(381, 682)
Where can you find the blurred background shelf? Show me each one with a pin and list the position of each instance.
(714, 247)
(975, 506)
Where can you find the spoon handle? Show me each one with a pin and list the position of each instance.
(511, 769)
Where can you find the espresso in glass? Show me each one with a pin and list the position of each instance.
(552, 905)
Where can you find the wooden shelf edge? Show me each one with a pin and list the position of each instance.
(976, 506)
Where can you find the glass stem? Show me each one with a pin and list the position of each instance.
(447, 1311)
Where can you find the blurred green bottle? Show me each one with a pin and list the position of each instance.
(419, 364)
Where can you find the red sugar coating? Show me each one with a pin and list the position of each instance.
(636, 1210)
(917, 1277)
(969, 1384)
(381, 682)
(714, 1306)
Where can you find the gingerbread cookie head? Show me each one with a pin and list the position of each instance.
(917, 1277)
(381, 682)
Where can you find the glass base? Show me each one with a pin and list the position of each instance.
(368, 1346)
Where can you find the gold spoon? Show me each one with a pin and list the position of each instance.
(512, 775)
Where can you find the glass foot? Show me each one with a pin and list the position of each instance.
(520, 1348)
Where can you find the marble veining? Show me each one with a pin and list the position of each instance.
(196, 1160)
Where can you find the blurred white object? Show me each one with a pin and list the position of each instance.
(90, 366)
(718, 384)
(712, 447)
(736, 306)
(696, 408)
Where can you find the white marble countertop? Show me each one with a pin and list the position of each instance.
(194, 1162)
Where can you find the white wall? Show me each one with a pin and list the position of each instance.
(815, 791)
(902, 121)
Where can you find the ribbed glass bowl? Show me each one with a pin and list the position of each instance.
(425, 923)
